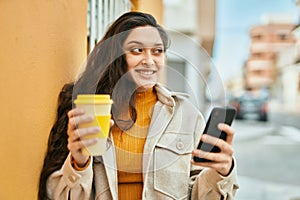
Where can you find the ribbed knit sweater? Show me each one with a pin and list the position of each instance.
(129, 147)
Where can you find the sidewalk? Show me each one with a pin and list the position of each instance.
(284, 114)
(266, 133)
(261, 129)
(277, 107)
(253, 189)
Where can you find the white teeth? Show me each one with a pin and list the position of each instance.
(146, 72)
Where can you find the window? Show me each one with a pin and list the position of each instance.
(101, 13)
(283, 36)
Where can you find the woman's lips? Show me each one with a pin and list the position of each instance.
(145, 72)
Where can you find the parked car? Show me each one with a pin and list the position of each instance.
(252, 104)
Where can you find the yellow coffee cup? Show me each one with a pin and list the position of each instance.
(98, 105)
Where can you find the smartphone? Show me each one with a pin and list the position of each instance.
(218, 115)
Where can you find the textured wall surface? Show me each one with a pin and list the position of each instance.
(43, 43)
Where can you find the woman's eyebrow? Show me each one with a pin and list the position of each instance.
(135, 42)
(141, 43)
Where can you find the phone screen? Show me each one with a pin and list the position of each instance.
(218, 115)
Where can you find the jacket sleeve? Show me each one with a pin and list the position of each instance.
(67, 183)
(207, 183)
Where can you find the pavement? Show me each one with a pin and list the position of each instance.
(285, 114)
(283, 123)
(261, 129)
(285, 108)
(254, 188)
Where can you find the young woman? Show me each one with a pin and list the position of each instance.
(154, 131)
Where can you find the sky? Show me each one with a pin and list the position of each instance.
(233, 22)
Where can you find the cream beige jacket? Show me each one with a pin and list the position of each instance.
(175, 130)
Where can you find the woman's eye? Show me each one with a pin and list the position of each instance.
(157, 50)
(136, 50)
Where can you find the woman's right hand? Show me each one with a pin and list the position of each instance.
(76, 135)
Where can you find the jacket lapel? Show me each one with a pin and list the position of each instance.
(109, 162)
(162, 114)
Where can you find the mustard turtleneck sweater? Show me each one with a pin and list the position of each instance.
(129, 147)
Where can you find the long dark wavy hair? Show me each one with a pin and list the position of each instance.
(105, 66)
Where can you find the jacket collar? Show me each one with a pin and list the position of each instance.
(164, 95)
(162, 114)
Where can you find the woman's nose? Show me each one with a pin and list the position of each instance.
(148, 58)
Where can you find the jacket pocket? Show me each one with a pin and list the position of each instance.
(172, 164)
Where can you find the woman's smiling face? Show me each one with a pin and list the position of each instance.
(145, 56)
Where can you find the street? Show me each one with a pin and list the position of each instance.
(268, 160)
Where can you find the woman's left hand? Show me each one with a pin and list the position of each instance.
(221, 161)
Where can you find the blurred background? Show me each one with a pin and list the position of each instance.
(223, 52)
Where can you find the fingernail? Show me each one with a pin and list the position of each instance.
(95, 140)
(81, 110)
(220, 126)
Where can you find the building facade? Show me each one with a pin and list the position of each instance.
(267, 42)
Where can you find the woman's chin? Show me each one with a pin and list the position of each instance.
(145, 86)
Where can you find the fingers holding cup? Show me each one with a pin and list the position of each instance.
(98, 106)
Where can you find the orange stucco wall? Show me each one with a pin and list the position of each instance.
(43, 43)
(154, 7)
